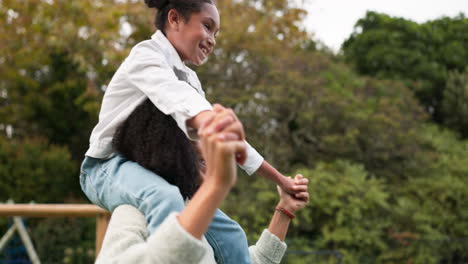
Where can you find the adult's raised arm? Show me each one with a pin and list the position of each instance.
(270, 247)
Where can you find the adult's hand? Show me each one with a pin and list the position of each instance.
(220, 140)
(219, 149)
(224, 120)
(298, 201)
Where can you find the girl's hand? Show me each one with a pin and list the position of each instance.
(225, 121)
(298, 201)
(220, 140)
(294, 186)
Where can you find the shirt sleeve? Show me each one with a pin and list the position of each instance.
(254, 160)
(268, 250)
(151, 74)
(125, 241)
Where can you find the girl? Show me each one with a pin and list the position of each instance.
(177, 239)
(155, 69)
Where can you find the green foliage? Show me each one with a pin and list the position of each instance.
(455, 102)
(35, 170)
(430, 209)
(57, 58)
(419, 54)
(369, 219)
(69, 240)
(347, 209)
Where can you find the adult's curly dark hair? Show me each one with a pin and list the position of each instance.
(153, 140)
(185, 7)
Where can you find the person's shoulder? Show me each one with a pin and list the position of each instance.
(128, 213)
(147, 49)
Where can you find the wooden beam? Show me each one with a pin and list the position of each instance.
(51, 210)
(102, 221)
(61, 210)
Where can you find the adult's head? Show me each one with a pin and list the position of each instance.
(153, 140)
(190, 25)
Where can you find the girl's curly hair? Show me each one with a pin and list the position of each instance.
(153, 140)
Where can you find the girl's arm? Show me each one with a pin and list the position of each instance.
(265, 170)
(286, 183)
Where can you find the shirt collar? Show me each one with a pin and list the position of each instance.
(172, 56)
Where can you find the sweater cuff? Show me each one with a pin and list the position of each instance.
(172, 239)
(271, 246)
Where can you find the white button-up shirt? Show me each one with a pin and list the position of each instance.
(153, 70)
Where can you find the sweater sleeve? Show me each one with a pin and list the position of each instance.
(125, 241)
(268, 250)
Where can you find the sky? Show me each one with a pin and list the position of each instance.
(332, 21)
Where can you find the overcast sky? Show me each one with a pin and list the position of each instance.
(332, 21)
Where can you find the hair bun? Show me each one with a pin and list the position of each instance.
(156, 3)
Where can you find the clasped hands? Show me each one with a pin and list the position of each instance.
(222, 143)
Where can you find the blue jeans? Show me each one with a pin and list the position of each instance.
(109, 183)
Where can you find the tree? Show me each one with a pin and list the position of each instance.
(348, 208)
(432, 208)
(56, 58)
(420, 54)
(35, 170)
(455, 102)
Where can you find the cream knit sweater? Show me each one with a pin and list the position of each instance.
(127, 241)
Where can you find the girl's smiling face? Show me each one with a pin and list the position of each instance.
(194, 39)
